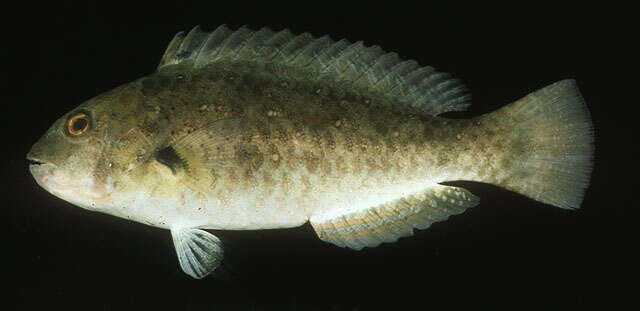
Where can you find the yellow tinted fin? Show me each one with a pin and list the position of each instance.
(554, 137)
(387, 222)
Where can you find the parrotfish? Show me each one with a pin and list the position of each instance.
(246, 130)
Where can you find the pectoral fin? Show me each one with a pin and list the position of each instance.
(201, 155)
(387, 222)
(199, 252)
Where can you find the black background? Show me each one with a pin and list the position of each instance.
(509, 252)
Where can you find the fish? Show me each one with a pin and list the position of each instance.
(260, 129)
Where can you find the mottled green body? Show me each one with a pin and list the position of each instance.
(303, 140)
(257, 130)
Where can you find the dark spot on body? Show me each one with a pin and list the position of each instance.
(151, 128)
(171, 159)
(229, 77)
(311, 161)
(212, 74)
(268, 182)
(231, 177)
(330, 142)
(286, 183)
(148, 83)
(163, 81)
(381, 128)
(348, 143)
(249, 157)
(149, 87)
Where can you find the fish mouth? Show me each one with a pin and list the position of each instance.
(40, 169)
(33, 161)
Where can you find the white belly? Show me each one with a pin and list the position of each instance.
(192, 210)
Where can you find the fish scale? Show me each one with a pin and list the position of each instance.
(245, 130)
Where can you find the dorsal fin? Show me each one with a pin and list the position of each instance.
(418, 89)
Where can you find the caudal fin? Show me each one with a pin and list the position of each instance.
(555, 130)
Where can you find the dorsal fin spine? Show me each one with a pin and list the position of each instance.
(308, 54)
(233, 42)
(212, 45)
(200, 54)
(369, 70)
(169, 53)
(333, 52)
(401, 70)
(382, 68)
(192, 43)
(324, 56)
(318, 53)
(372, 58)
(254, 47)
(279, 40)
(245, 42)
(295, 47)
(347, 58)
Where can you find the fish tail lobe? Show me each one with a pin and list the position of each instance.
(552, 145)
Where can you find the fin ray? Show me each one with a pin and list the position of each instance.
(205, 151)
(556, 139)
(387, 222)
(371, 70)
(199, 252)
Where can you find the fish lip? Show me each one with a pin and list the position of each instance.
(42, 172)
(33, 161)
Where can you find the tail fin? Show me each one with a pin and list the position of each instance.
(554, 128)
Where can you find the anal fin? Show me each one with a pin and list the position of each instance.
(387, 222)
(199, 252)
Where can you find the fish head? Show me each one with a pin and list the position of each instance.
(74, 160)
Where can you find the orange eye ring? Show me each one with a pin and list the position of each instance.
(78, 124)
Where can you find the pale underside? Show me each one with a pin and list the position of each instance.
(348, 180)
(338, 134)
(358, 184)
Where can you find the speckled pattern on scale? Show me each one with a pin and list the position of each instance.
(260, 129)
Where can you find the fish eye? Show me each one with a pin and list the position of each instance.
(78, 124)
